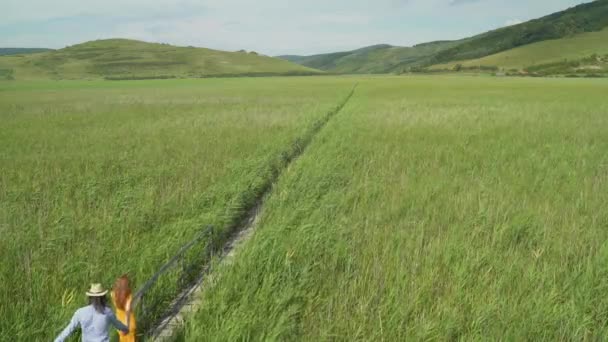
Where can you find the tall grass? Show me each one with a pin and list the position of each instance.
(102, 178)
(433, 209)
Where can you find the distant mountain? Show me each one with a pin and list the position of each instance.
(21, 51)
(372, 59)
(131, 59)
(590, 17)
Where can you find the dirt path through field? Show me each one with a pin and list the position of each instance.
(192, 297)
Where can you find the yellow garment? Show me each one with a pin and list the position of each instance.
(122, 316)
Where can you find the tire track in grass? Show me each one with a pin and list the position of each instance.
(237, 234)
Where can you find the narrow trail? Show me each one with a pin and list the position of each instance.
(191, 298)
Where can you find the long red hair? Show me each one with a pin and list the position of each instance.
(122, 291)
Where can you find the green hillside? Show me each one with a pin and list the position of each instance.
(21, 51)
(348, 61)
(131, 59)
(373, 59)
(583, 19)
(574, 48)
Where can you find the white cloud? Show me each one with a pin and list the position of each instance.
(267, 26)
(354, 18)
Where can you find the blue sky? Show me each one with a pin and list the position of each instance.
(268, 26)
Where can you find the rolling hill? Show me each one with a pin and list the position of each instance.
(575, 48)
(131, 59)
(582, 19)
(372, 59)
(588, 17)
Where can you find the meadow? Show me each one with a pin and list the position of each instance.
(428, 208)
(432, 208)
(101, 178)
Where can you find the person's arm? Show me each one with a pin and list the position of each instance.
(116, 323)
(128, 308)
(69, 329)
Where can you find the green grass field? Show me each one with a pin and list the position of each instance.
(102, 178)
(446, 208)
(429, 208)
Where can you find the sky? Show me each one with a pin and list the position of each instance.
(272, 27)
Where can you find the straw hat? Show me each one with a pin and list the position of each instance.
(97, 290)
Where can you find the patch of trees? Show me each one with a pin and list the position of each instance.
(591, 66)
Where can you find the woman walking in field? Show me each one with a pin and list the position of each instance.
(94, 320)
(121, 297)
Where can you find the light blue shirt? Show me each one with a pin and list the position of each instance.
(94, 325)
